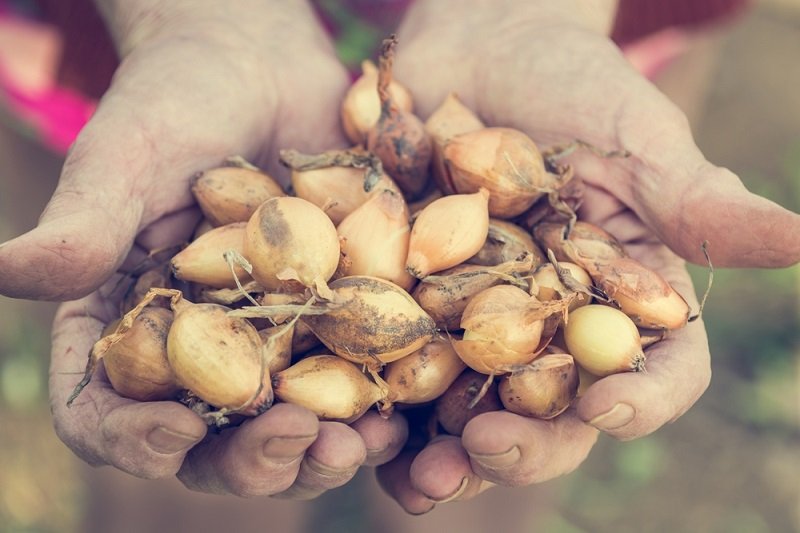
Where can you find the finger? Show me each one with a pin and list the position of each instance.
(393, 477)
(631, 405)
(261, 457)
(514, 450)
(330, 462)
(442, 471)
(682, 197)
(383, 437)
(147, 440)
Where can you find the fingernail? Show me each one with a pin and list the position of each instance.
(458, 492)
(287, 449)
(325, 470)
(168, 442)
(420, 513)
(614, 418)
(495, 461)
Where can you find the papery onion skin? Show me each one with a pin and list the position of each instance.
(330, 387)
(232, 194)
(377, 321)
(361, 107)
(425, 374)
(641, 293)
(203, 260)
(498, 331)
(543, 389)
(447, 232)
(137, 365)
(291, 244)
(451, 118)
(218, 358)
(504, 161)
(604, 341)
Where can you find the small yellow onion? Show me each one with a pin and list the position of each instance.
(136, 363)
(423, 375)
(586, 242)
(372, 321)
(203, 261)
(642, 294)
(550, 287)
(503, 326)
(504, 161)
(289, 242)
(329, 386)
(452, 407)
(543, 389)
(336, 189)
(603, 340)
(447, 232)
(232, 193)
(445, 295)
(399, 138)
(451, 118)
(361, 106)
(505, 242)
(376, 237)
(218, 357)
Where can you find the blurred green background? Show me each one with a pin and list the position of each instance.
(732, 464)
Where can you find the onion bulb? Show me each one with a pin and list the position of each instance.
(504, 161)
(329, 386)
(232, 193)
(586, 242)
(451, 118)
(506, 242)
(447, 232)
(203, 261)
(373, 321)
(550, 286)
(218, 357)
(423, 375)
(375, 239)
(503, 326)
(337, 181)
(399, 138)
(603, 340)
(291, 244)
(542, 389)
(452, 407)
(361, 106)
(136, 363)
(641, 293)
(445, 295)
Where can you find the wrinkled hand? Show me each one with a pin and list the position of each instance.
(542, 72)
(198, 81)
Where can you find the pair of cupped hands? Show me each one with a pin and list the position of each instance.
(202, 80)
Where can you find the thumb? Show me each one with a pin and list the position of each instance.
(83, 234)
(685, 199)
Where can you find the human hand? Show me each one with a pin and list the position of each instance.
(548, 70)
(199, 81)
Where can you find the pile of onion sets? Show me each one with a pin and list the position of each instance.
(435, 263)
